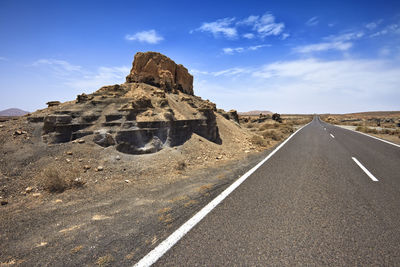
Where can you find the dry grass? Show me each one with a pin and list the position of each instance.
(105, 260)
(76, 249)
(54, 180)
(259, 141)
(272, 134)
(181, 165)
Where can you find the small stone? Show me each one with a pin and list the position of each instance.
(68, 160)
(69, 153)
(1, 126)
(36, 194)
(219, 157)
(247, 151)
(23, 132)
(127, 181)
(28, 189)
(74, 142)
(80, 160)
(55, 158)
(4, 202)
(18, 132)
(117, 157)
(86, 167)
(81, 141)
(58, 200)
(99, 168)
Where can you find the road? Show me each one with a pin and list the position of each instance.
(309, 204)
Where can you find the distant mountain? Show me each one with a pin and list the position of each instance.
(13, 112)
(255, 112)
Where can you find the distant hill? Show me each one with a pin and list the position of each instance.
(13, 112)
(255, 112)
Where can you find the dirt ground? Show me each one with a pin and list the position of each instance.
(385, 124)
(79, 204)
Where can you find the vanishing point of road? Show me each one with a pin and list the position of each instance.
(328, 196)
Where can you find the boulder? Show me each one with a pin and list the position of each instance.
(156, 69)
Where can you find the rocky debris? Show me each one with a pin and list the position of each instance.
(28, 189)
(53, 103)
(36, 194)
(3, 202)
(99, 168)
(1, 126)
(154, 109)
(158, 70)
(19, 132)
(86, 167)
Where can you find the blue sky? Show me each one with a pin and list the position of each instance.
(284, 56)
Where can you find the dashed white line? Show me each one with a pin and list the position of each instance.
(332, 136)
(168, 243)
(373, 178)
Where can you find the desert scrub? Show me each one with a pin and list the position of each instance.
(259, 141)
(272, 134)
(266, 126)
(366, 130)
(181, 165)
(55, 181)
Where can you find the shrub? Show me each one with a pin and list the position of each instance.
(53, 181)
(272, 134)
(181, 166)
(258, 140)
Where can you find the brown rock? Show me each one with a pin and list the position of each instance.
(28, 189)
(86, 167)
(53, 103)
(159, 70)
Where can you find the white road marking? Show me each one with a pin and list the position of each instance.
(373, 178)
(168, 243)
(393, 144)
(332, 136)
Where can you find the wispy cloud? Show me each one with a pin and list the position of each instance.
(62, 67)
(312, 21)
(253, 26)
(389, 29)
(220, 27)
(341, 46)
(231, 51)
(267, 26)
(310, 85)
(150, 36)
(340, 42)
(102, 76)
(79, 78)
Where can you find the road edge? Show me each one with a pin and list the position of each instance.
(178, 234)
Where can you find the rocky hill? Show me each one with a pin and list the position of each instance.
(155, 108)
(255, 113)
(13, 112)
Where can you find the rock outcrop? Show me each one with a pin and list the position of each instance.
(161, 71)
(155, 108)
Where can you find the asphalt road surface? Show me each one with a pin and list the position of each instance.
(311, 203)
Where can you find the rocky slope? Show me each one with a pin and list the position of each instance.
(154, 109)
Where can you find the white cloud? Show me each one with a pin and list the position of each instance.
(62, 67)
(150, 36)
(390, 29)
(260, 26)
(345, 36)
(285, 36)
(312, 21)
(341, 46)
(102, 76)
(249, 35)
(220, 27)
(266, 26)
(307, 86)
(231, 51)
(231, 72)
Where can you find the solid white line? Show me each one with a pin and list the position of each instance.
(332, 135)
(377, 138)
(365, 170)
(168, 243)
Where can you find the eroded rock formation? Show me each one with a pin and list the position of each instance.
(156, 69)
(153, 109)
